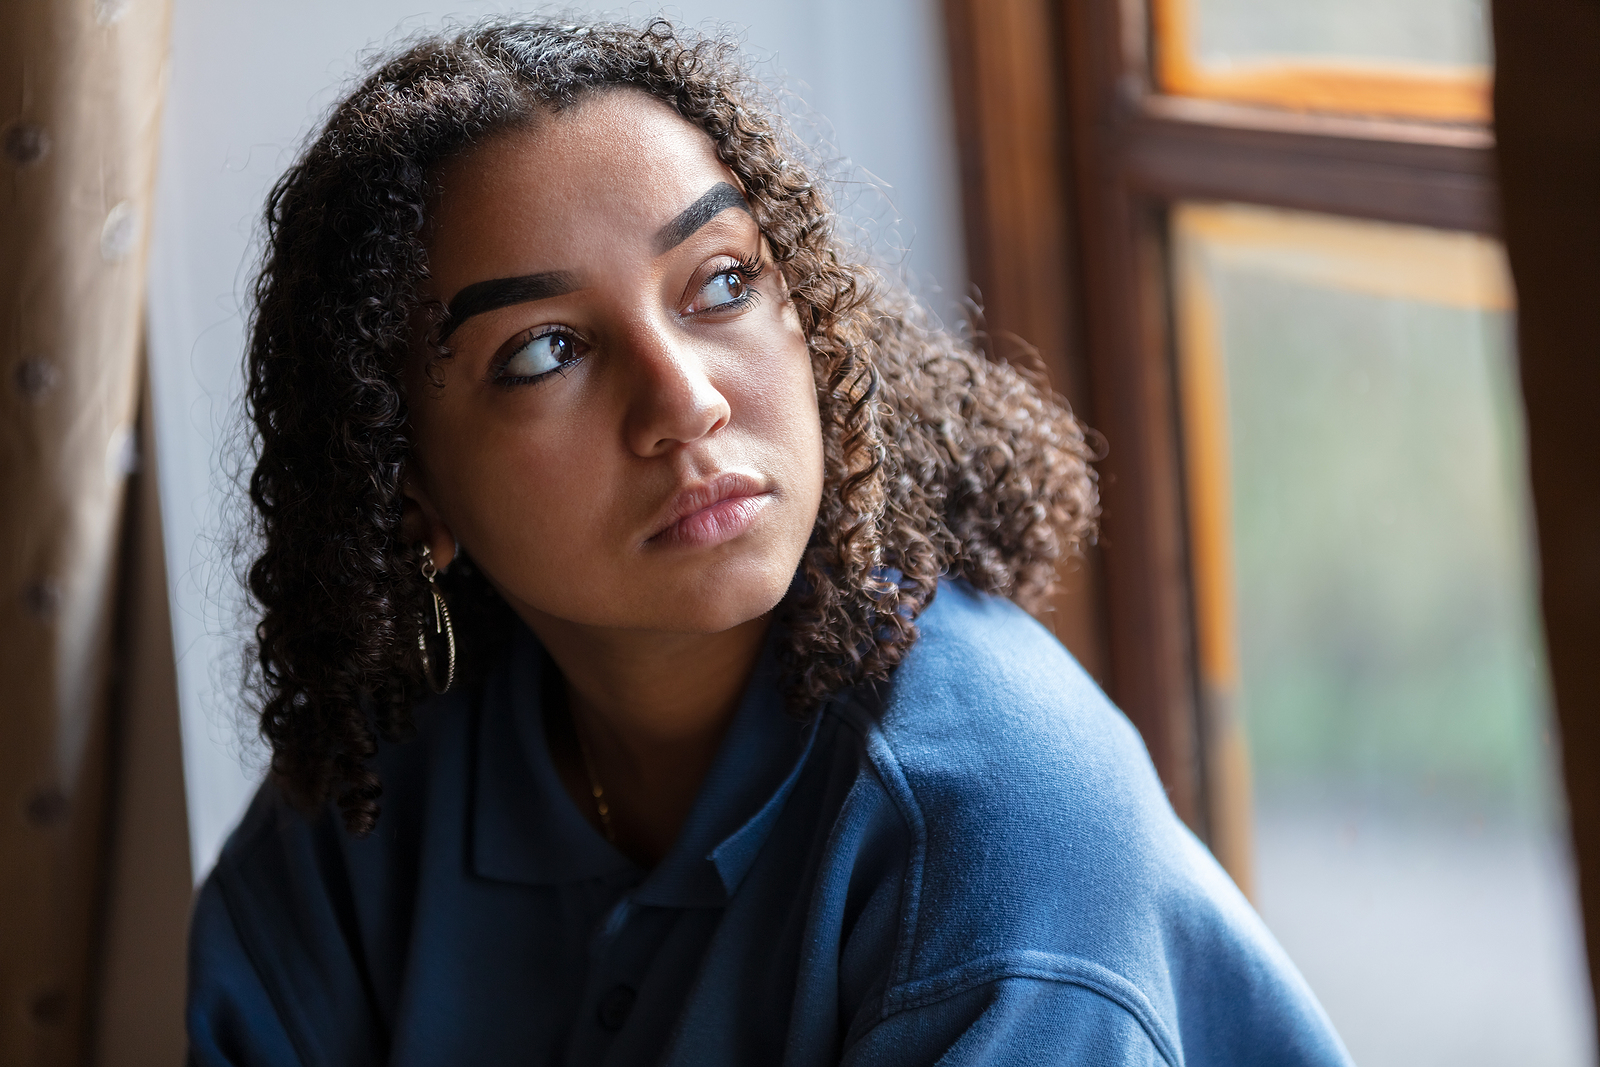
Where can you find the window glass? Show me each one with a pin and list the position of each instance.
(1427, 59)
(1366, 603)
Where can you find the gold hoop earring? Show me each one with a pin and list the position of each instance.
(441, 625)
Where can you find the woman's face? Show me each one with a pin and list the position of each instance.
(626, 434)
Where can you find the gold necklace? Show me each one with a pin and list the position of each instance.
(595, 789)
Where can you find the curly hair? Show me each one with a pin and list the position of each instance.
(938, 462)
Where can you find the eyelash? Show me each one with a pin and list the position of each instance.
(749, 269)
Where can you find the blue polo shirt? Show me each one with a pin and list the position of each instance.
(973, 865)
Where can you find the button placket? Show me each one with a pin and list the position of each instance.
(607, 1003)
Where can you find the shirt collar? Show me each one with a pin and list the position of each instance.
(526, 829)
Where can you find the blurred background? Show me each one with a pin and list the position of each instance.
(1260, 245)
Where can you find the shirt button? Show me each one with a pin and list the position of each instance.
(614, 1008)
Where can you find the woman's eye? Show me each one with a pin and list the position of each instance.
(541, 355)
(723, 289)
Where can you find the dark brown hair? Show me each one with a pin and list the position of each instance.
(938, 462)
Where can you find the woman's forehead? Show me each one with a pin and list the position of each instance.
(614, 168)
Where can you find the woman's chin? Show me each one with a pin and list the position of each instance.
(712, 601)
(709, 610)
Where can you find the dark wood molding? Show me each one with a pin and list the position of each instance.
(1547, 86)
(1198, 154)
(1008, 115)
(1009, 104)
(1151, 664)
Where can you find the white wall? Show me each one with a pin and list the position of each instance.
(249, 81)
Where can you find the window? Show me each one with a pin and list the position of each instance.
(1364, 601)
(1423, 59)
(1284, 302)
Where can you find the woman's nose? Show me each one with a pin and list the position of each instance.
(672, 398)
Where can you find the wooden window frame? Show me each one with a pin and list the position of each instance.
(1069, 158)
(1057, 104)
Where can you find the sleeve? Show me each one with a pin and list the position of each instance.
(231, 1019)
(277, 971)
(1011, 1021)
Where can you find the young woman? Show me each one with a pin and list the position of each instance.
(572, 409)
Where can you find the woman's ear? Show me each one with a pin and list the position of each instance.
(420, 523)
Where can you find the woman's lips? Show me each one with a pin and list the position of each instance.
(711, 512)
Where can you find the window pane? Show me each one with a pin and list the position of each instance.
(1365, 586)
(1427, 59)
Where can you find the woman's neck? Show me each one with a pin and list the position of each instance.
(651, 709)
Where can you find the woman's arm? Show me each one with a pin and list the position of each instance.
(232, 1020)
(277, 973)
(1030, 1020)
(1011, 1021)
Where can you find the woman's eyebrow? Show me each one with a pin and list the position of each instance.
(713, 202)
(479, 297)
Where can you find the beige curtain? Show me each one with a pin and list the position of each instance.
(82, 84)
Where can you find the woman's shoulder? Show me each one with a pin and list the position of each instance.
(988, 702)
(283, 857)
(1044, 846)
(1015, 768)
